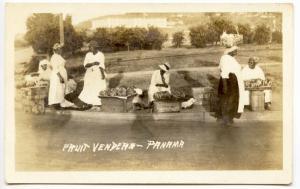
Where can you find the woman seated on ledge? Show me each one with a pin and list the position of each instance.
(253, 71)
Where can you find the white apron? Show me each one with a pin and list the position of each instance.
(93, 82)
(57, 89)
(228, 64)
(156, 79)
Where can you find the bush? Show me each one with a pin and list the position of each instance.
(154, 38)
(43, 32)
(198, 36)
(277, 37)
(219, 25)
(262, 34)
(104, 38)
(245, 30)
(178, 38)
(121, 38)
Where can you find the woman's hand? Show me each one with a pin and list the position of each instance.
(61, 79)
(102, 73)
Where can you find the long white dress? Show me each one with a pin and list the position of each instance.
(57, 89)
(255, 73)
(228, 64)
(93, 82)
(156, 79)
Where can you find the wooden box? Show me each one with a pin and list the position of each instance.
(166, 106)
(116, 104)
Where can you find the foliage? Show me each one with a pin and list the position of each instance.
(277, 37)
(43, 32)
(262, 34)
(219, 25)
(154, 39)
(121, 38)
(178, 38)
(245, 30)
(198, 36)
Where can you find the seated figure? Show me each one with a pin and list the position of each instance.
(253, 71)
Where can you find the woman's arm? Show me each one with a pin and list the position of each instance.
(102, 72)
(60, 77)
(88, 65)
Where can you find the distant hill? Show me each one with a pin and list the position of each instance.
(186, 20)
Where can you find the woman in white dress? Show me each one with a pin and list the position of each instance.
(94, 79)
(58, 78)
(231, 88)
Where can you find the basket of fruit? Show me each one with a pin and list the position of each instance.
(169, 102)
(117, 99)
(258, 84)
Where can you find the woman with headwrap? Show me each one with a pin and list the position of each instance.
(231, 88)
(58, 78)
(94, 78)
(159, 82)
(44, 69)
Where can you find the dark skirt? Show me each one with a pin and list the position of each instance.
(229, 102)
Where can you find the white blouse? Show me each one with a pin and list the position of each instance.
(98, 57)
(228, 64)
(255, 73)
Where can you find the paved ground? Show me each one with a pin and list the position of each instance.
(40, 141)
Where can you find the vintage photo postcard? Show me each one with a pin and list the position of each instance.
(174, 93)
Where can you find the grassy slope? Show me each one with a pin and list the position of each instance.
(143, 60)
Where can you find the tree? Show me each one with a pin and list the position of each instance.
(43, 32)
(212, 35)
(262, 34)
(178, 38)
(154, 38)
(198, 36)
(277, 36)
(73, 40)
(219, 25)
(104, 38)
(245, 30)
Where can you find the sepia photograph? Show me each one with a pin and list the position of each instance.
(153, 93)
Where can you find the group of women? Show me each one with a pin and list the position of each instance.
(231, 89)
(94, 79)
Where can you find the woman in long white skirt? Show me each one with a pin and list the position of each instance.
(58, 78)
(94, 79)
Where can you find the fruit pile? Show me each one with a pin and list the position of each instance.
(163, 96)
(118, 92)
(180, 94)
(177, 94)
(258, 84)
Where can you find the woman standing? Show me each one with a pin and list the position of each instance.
(58, 78)
(231, 88)
(94, 79)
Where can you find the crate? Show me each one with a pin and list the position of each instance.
(116, 104)
(166, 106)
